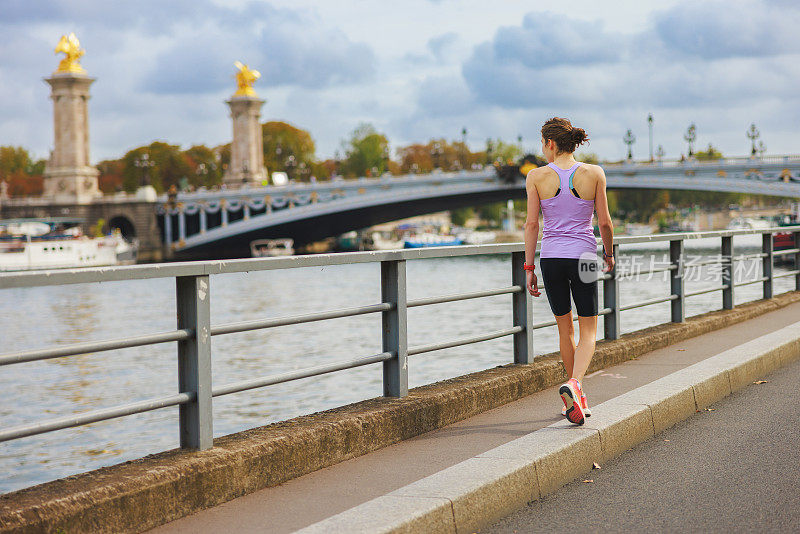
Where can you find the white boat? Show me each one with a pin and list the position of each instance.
(477, 237)
(638, 229)
(54, 244)
(269, 248)
(384, 241)
(748, 223)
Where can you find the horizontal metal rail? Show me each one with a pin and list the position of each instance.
(650, 271)
(199, 268)
(748, 282)
(94, 346)
(297, 375)
(787, 273)
(95, 416)
(463, 296)
(712, 261)
(785, 251)
(552, 322)
(245, 326)
(706, 290)
(750, 256)
(465, 341)
(648, 302)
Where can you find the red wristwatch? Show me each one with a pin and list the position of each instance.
(528, 267)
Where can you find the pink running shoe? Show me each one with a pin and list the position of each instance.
(571, 395)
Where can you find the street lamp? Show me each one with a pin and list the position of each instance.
(753, 134)
(336, 162)
(464, 147)
(629, 139)
(650, 130)
(690, 137)
(143, 162)
(436, 152)
(290, 164)
(660, 152)
(762, 148)
(489, 150)
(385, 159)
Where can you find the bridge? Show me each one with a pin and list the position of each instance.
(468, 467)
(223, 223)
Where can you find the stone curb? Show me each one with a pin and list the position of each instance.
(483, 489)
(141, 494)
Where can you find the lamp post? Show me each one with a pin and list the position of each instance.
(464, 147)
(762, 148)
(690, 137)
(650, 131)
(385, 159)
(144, 162)
(290, 163)
(753, 134)
(660, 152)
(629, 139)
(436, 152)
(489, 150)
(336, 162)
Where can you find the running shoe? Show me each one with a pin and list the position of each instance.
(570, 394)
(585, 405)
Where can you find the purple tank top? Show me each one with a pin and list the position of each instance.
(567, 221)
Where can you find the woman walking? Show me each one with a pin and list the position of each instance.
(567, 192)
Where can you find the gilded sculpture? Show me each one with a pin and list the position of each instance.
(245, 79)
(70, 46)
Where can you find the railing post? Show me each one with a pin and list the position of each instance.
(797, 261)
(766, 263)
(194, 361)
(726, 254)
(676, 282)
(395, 328)
(522, 311)
(611, 327)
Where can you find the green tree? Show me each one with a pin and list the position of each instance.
(365, 150)
(169, 165)
(502, 152)
(288, 148)
(710, 153)
(205, 166)
(14, 159)
(460, 216)
(587, 157)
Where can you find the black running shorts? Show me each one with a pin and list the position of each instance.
(560, 277)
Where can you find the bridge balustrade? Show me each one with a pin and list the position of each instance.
(194, 331)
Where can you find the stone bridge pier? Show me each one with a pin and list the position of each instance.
(136, 219)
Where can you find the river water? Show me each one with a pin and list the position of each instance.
(38, 317)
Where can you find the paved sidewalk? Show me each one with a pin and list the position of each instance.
(324, 493)
(734, 468)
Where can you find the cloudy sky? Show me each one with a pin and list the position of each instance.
(416, 69)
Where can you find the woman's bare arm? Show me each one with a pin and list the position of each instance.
(531, 230)
(604, 222)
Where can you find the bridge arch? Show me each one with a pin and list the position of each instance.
(125, 226)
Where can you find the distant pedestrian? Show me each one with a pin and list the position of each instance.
(568, 192)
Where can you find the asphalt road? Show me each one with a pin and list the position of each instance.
(734, 468)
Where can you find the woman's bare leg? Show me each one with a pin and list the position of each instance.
(585, 348)
(566, 340)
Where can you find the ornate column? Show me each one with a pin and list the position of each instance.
(247, 149)
(69, 175)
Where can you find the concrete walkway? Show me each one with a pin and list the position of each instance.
(319, 495)
(731, 468)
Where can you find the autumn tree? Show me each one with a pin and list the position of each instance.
(169, 166)
(21, 172)
(205, 166)
(111, 177)
(288, 149)
(366, 152)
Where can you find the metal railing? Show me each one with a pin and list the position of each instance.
(194, 329)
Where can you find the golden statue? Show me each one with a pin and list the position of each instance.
(70, 45)
(245, 79)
